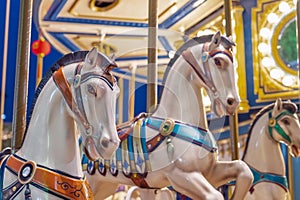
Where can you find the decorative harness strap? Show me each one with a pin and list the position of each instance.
(76, 104)
(268, 177)
(135, 130)
(206, 75)
(273, 123)
(4, 154)
(52, 181)
(265, 177)
(169, 127)
(64, 86)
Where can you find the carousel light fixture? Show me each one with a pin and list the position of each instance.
(275, 62)
(171, 54)
(182, 29)
(174, 9)
(198, 3)
(264, 48)
(272, 18)
(284, 7)
(267, 62)
(288, 81)
(265, 33)
(276, 73)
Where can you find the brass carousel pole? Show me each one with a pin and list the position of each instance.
(233, 119)
(4, 70)
(22, 70)
(152, 56)
(131, 92)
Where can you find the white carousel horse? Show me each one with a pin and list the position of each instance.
(274, 124)
(74, 97)
(168, 147)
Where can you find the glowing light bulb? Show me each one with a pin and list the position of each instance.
(288, 80)
(276, 73)
(272, 18)
(267, 62)
(171, 54)
(284, 7)
(263, 48)
(265, 32)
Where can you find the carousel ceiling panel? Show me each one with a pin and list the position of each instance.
(119, 28)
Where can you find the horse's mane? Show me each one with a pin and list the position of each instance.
(226, 42)
(286, 105)
(67, 59)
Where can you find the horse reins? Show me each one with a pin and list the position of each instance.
(205, 76)
(273, 123)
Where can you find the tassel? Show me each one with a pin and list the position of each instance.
(28, 193)
(170, 149)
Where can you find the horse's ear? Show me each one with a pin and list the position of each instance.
(91, 57)
(215, 41)
(277, 107)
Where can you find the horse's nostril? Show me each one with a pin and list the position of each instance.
(105, 143)
(230, 101)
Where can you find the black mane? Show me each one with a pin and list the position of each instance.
(286, 105)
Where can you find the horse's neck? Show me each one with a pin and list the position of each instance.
(182, 97)
(51, 136)
(262, 152)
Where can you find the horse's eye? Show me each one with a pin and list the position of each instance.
(92, 90)
(217, 61)
(286, 121)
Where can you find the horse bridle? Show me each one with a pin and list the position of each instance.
(273, 123)
(205, 76)
(76, 104)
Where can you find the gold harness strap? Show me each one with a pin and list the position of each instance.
(51, 180)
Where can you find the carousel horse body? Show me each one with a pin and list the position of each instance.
(168, 147)
(274, 124)
(78, 95)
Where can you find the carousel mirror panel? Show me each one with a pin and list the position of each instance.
(274, 50)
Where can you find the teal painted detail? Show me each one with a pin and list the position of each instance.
(186, 132)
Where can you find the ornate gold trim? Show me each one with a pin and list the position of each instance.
(166, 127)
(145, 20)
(265, 86)
(240, 57)
(274, 41)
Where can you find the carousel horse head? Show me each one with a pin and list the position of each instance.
(212, 62)
(284, 125)
(77, 95)
(96, 91)
(220, 83)
(220, 65)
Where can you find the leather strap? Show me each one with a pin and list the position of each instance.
(273, 123)
(139, 180)
(189, 58)
(64, 86)
(62, 83)
(53, 181)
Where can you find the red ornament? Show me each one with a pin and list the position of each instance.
(41, 47)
